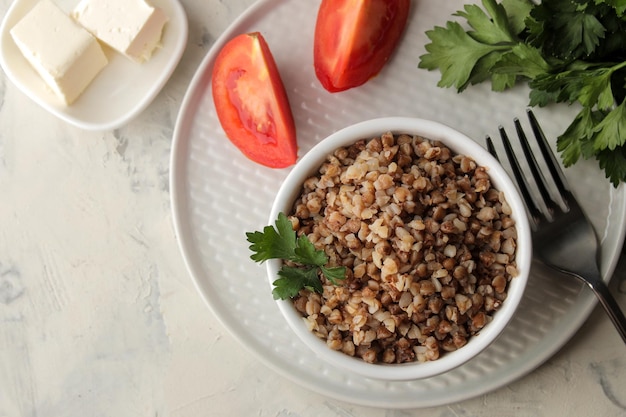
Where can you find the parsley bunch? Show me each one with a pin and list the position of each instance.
(282, 243)
(569, 51)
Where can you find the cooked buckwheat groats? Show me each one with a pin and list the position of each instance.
(428, 245)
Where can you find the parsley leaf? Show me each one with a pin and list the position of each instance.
(569, 51)
(590, 87)
(305, 253)
(611, 131)
(279, 243)
(523, 60)
(283, 243)
(577, 140)
(457, 53)
(293, 279)
(517, 12)
(491, 27)
(618, 5)
(614, 164)
(334, 274)
(565, 29)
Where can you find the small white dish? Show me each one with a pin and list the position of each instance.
(121, 91)
(458, 143)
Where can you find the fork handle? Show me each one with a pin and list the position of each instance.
(608, 302)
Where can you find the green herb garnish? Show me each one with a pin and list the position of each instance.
(283, 243)
(569, 51)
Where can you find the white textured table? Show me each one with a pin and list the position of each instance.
(99, 317)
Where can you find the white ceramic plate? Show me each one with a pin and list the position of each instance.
(121, 91)
(218, 195)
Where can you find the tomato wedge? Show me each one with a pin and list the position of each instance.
(355, 38)
(251, 102)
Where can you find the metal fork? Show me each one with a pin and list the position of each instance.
(563, 239)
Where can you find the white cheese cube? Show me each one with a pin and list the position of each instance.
(132, 27)
(66, 56)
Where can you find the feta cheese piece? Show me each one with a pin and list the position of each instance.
(132, 27)
(64, 54)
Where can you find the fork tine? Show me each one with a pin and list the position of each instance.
(534, 168)
(491, 149)
(550, 158)
(522, 183)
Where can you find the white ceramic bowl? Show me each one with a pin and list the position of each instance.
(458, 143)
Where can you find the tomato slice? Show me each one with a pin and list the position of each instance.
(251, 102)
(355, 38)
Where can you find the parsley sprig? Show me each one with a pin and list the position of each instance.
(569, 51)
(307, 262)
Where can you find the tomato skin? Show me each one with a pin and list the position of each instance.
(355, 38)
(251, 102)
